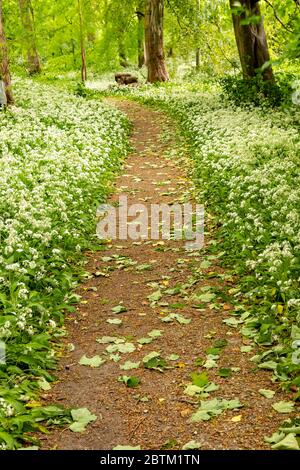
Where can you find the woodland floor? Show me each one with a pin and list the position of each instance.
(157, 413)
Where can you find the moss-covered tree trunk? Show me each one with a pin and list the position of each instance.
(5, 76)
(251, 38)
(27, 17)
(154, 41)
(141, 33)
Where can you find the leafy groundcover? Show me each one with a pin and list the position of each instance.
(58, 156)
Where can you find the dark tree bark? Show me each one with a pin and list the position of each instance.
(4, 62)
(197, 58)
(141, 33)
(155, 57)
(251, 40)
(198, 6)
(27, 17)
(82, 44)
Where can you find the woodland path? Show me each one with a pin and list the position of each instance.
(157, 413)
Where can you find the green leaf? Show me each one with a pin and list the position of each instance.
(173, 357)
(155, 333)
(150, 356)
(269, 365)
(210, 363)
(205, 264)
(193, 390)
(44, 385)
(245, 349)
(110, 339)
(131, 382)
(207, 297)
(283, 406)
(144, 267)
(8, 439)
(234, 322)
(81, 417)
(130, 365)
(115, 357)
(114, 321)
(266, 393)
(211, 408)
(155, 297)
(191, 445)
(289, 442)
(176, 316)
(29, 448)
(224, 372)
(95, 361)
(154, 361)
(199, 379)
(121, 348)
(119, 309)
(145, 340)
(78, 427)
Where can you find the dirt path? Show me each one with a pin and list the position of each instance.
(157, 413)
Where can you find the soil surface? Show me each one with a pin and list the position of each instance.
(157, 414)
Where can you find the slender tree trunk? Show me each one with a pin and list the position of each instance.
(4, 62)
(122, 51)
(198, 5)
(82, 44)
(197, 58)
(251, 40)
(155, 57)
(141, 33)
(27, 17)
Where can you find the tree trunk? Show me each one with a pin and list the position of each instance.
(155, 57)
(4, 62)
(82, 45)
(197, 58)
(27, 17)
(141, 33)
(198, 6)
(251, 40)
(122, 52)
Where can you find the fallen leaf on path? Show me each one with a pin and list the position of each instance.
(283, 406)
(130, 365)
(289, 442)
(266, 393)
(95, 361)
(191, 445)
(121, 348)
(119, 309)
(110, 339)
(81, 417)
(131, 382)
(114, 321)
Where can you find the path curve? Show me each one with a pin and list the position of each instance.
(156, 414)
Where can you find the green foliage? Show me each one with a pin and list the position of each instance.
(51, 183)
(257, 91)
(81, 90)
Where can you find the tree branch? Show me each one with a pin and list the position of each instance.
(277, 17)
